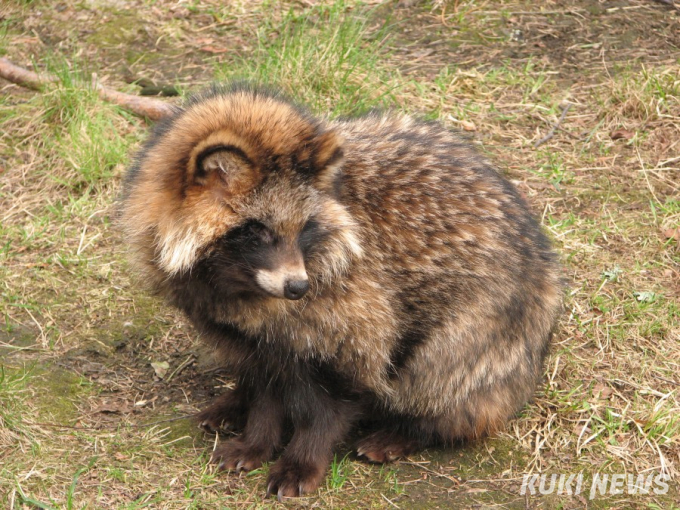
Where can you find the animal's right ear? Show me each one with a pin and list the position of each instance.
(329, 159)
(224, 168)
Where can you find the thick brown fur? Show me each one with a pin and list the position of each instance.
(429, 292)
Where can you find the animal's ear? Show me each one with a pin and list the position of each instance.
(226, 168)
(328, 160)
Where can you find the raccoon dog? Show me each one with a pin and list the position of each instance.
(373, 271)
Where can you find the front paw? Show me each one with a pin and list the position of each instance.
(237, 455)
(289, 478)
(384, 446)
(213, 424)
(227, 413)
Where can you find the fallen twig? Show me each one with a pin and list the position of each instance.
(114, 426)
(142, 106)
(21, 76)
(554, 128)
(670, 3)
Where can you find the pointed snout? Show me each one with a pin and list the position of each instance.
(284, 282)
(295, 289)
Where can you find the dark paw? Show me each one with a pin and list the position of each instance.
(225, 415)
(289, 479)
(384, 446)
(213, 424)
(237, 455)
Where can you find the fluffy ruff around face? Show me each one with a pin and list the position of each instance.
(374, 270)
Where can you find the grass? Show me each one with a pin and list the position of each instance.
(86, 133)
(14, 434)
(338, 472)
(82, 411)
(326, 56)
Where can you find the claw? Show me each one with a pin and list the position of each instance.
(239, 466)
(206, 427)
(279, 496)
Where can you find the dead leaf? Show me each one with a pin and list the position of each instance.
(602, 391)
(161, 368)
(580, 429)
(645, 296)
(26, 40)
(212, 49)
(468, 126)
(619, 134)
(180, 12)
(113, 408)
(120, 456)
(672, 233)
(185, 408)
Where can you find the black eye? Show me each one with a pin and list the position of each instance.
(259, 231)
(252, 232)
(311, 235)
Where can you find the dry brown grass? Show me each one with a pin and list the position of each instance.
(82, 412)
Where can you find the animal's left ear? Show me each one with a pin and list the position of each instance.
(328, 160)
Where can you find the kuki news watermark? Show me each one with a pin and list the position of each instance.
(600, 485)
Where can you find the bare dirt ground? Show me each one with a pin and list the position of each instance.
(578, 102)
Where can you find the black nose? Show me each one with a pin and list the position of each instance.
(295, 289)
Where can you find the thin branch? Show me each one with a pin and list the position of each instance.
(669, 3)
(142, 106)
(114, 426)
(20, 76)
(554, 128)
